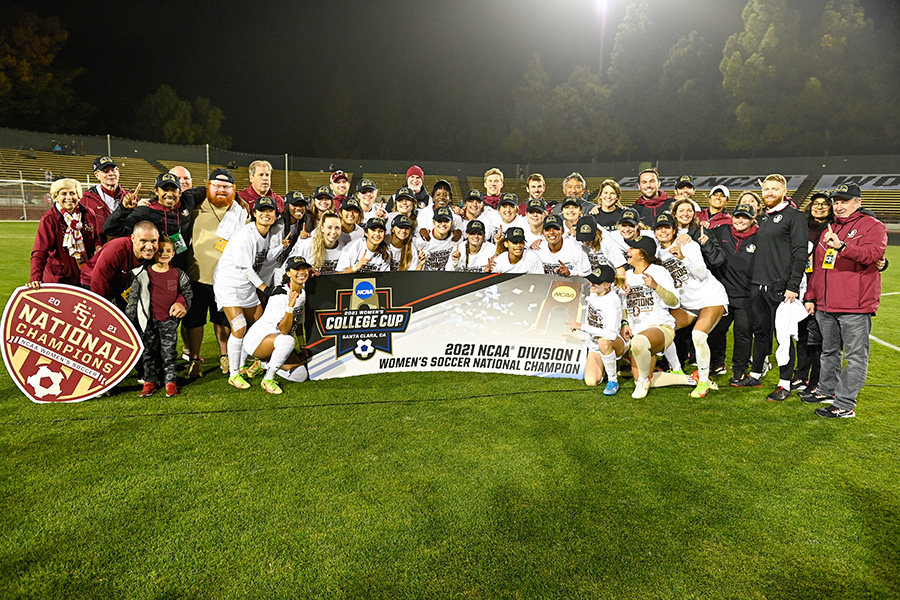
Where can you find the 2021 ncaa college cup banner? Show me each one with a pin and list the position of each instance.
(66, 344)
(443, 321)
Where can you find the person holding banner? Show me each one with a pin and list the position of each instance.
(246, 267)
(368, 254)
(67, 237)
(271, 338)
(604, 341)
(650, 327)
(473, 254)
(512, 257)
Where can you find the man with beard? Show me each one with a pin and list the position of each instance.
(260, 184)
(104, 197)
(108, 273)
(217, 215)
(652, 200)
(340, 188)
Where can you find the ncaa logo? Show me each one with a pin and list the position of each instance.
(364, 290)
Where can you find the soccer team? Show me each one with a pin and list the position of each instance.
(667, 277)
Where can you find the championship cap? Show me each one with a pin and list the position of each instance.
(442, 213)
(515, 235)
(645, 243)
(365, 184)
(221, 174)
(685, 181)
(551, 221)
(295, 199)
(323, 190)
(351, 204)
(602, 274)
(475, 226)
(570, 201)
(103, 162)
(508, 198)
(164, 179)
(376, 223)
(846, 191)
(402, 221)
(630, 216)
(586, 229)
(405, 192)
(296, 262)
(265, 203)
(664, 219)
(474, 195)
(536, 205)
(746, 210)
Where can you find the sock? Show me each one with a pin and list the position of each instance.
(284, 345)
(784, 383)
(297, 374)
(701, 349)
(755, 375)
(235, 348)
(609, 365)
(640, 349)
(671, 354)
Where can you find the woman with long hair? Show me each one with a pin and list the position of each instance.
(512, 257)
(609, 208)
(473, 254)
(367, 254)
(401, 244)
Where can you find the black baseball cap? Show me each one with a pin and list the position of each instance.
(351, 204)
(442, 213)
(508, 198)
(475, 226)
(442, 184)
(405, 192)
(684, 181)
(515, 235)
(846, 191)
(586, 229)
(295, 199)
(630, 216)
(570, 201)
(645, 243)
(536, 205)
(553, 221)
(323, 190)
(474, 195)
(402, 221)
(296, 262)
(221, 174)
(745, 209)
(164, 179)
(376, 223)
(103, 162)
(602, 274)
(265, 203)
(365, 184)
(664, 219)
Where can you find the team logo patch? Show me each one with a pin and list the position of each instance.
(66, 344)
(852, 234)
(363, 321)
(751, 248)
(776, 219)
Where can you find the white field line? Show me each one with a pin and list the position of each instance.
(884, 343)
(891, 294)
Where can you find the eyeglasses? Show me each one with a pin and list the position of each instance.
(822, 204)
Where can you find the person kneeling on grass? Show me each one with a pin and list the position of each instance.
(271, 338)
(160, 296)
(650, 295)
(604, 342)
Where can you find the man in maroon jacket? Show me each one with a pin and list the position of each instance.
(652, 202)
(843, 294)
(108, 274)
(104, 197)
(260, 185)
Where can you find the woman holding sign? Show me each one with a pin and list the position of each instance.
(66, 238)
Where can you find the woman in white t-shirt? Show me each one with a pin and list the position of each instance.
(367, 254)
(404, 254)
(271, 338)
(512, 257)
(650, 294)
(474, 253)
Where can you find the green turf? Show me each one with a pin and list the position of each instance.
(447, 485)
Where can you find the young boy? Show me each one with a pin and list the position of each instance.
(160, 296)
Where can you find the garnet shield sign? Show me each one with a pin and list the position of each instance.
(66, 344)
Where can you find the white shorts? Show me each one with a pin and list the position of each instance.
(593, 345)
(255, 336)
(229, 295)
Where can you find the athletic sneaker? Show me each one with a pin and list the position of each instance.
(612, 388)
(814, 396)
(238, 382)
(833, 412)
(640, 389)
(703, 388)
(149, 389)
(798, 385)
(767, 366)
(224, 364)
(253, 370)
(271, 386)
(720, 370)
(195, 369)
(171, 389)
(676, 372)
(745, 381)
(778, 394)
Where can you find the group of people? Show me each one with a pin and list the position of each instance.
(667, 277)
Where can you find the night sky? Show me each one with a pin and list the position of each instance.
(272, 66)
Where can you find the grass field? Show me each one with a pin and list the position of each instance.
(442, 485)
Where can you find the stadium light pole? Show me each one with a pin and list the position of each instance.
(601, 11)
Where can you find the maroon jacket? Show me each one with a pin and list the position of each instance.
(720, 218)
(492, 201)
(854, 284)
(91, 199)
(50, 262)
(649, 209)
(250, 196)
(109, 273)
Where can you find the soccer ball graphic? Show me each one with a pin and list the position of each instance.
(39, 382)
(364, 349)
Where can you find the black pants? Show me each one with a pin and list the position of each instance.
(763, 303)
(160, 350)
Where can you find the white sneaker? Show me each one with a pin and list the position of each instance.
(640, 389)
